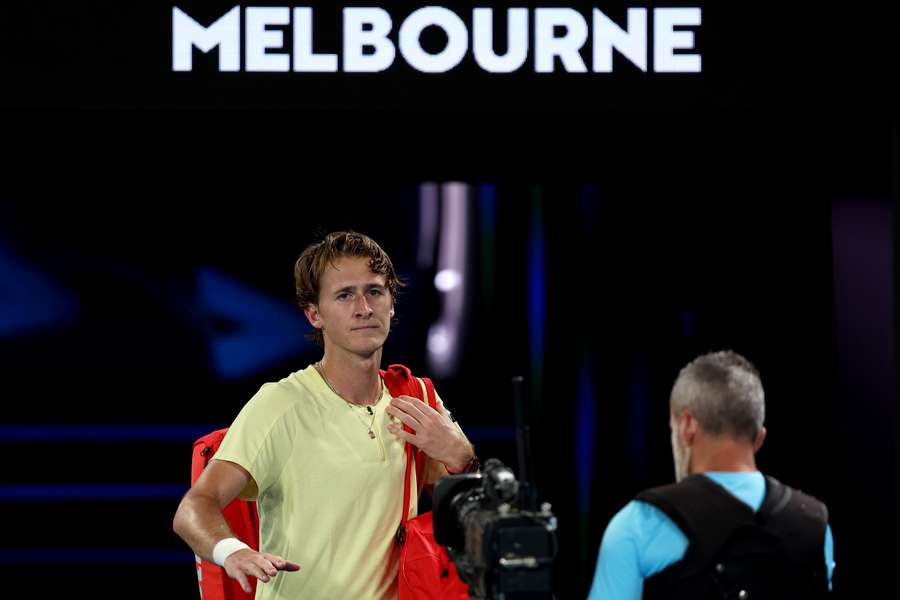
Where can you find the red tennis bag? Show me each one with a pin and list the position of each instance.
(241, 517)
(426, 571)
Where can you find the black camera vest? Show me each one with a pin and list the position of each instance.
(734, 554)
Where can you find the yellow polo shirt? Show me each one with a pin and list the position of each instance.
(329, 496)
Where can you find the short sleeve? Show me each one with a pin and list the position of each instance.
(618, 575)
(260, 439)
(639, 542)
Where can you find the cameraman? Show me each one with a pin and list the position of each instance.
(723, 530)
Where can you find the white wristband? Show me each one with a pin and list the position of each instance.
(225, 548)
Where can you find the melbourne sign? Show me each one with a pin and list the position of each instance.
(543, 40)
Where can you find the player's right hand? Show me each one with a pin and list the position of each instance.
(249, 563)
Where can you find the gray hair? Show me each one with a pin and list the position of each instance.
(722, 390)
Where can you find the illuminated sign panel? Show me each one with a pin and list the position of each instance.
(557, 33)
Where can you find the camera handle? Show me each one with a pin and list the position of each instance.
(527, 492)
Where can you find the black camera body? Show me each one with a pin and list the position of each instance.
(500, 551)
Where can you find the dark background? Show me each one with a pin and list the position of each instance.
(618, 226)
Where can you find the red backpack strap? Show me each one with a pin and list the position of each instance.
(404, 516)
(398, 378)
(401, 382)
(432, 396)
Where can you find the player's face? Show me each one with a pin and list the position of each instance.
(355, 308)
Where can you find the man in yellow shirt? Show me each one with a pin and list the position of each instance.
(322, 450)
